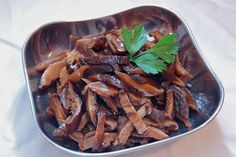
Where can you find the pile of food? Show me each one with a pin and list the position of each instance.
(117, 89)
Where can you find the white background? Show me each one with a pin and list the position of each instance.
(212, 22)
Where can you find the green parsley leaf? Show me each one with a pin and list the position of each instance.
(165, 48)
(149, 63)
(155, 59)
(134, 39)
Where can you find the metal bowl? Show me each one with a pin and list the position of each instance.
(53, 37)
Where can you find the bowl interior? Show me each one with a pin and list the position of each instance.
(53, 38)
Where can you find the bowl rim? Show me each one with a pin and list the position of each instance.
(135, 148)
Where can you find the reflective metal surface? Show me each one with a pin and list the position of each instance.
(54, 37)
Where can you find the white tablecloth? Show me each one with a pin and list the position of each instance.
(213, 24)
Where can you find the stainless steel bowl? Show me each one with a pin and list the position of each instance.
(53, 37)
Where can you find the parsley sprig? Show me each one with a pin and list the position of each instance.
(155, 59)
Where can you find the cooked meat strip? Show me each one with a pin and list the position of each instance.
(128, 126)
(177, 81)
(57, 109)
(100, 130)
(85, 45)
(131, 112)
(115, 43)
(136, 70)
(73, 101)
(169, 109)
(78, 74)
(111, 123)
(121, 122)
(146, 88)
(155, 133)
(111, 102)
(83, 122)
(157, 115)
(181, 106)
(99, 69)
(101, 89)
(180, 69)
(69, 125)
(190, 100)
(63, 77)
(137, 99)
(78, 137)
(44, 64)
(88, 142)
(51, 73)
(102, 59)
(165, 125)
(91, 106)
(109, 79)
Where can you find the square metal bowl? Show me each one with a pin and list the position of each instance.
(53, 37)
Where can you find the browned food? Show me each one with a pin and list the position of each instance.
(147, 89)
(101, 89)
(44, 64)
(51, 73)
(181, 106)
(91, 106)
(169, 109)
(78, 74)
(157, 35)
(106, 59)
(99, 134)
(128, 127)
(132, 114)
(103, 102)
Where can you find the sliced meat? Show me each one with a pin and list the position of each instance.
(84, 46)
(177, 81)
(169, 109)
(78, 74)
(180, 69)
(181, 106)
(83, 122)
(102, 59)
(101, 89)
(136, 70)
(99, 69)
(131, 112)
(74, 102)
(111, 123)
(91, 106)
(111, 102)
(69, 125)
(155, 133)
(167, 124)
(88, 142)
(100, 130)
(146, 88)
(109, 79)
(70, 99)
(44, 64)
(190, 101)
(157, 115)
(57, 109)
(51, 73)
(137, 99)
(115, 43)
(127, 127)
(63, 77)
(78, 137)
